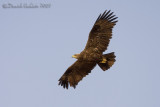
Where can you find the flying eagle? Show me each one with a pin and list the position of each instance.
(98, 41)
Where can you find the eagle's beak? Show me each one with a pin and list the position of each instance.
(73, 56)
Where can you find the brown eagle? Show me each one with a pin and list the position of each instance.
(92, 55)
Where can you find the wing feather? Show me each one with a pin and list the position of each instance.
(75, 73)
(101, 32)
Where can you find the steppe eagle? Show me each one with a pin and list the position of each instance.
(98, 41)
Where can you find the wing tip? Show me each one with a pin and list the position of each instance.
(108, 15)
(63, 83)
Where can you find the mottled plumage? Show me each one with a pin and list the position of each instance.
(97, 43)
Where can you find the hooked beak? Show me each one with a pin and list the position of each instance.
(73, 56)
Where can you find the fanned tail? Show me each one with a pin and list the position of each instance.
(109, 61)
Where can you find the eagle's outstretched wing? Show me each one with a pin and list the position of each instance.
(101, 32)
(75, 73)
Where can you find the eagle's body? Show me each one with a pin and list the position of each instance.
(97, 43)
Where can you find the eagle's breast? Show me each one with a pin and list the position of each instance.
(91, 54)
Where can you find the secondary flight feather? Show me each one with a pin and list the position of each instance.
(98, 41)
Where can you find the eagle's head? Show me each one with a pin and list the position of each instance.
(76, 56)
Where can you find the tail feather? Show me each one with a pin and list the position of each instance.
(110, 57)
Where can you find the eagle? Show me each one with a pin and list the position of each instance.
(98, 41)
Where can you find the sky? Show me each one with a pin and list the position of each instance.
(36, 45)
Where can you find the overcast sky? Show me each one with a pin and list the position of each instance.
(36, 45)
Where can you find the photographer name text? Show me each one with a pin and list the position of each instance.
(26, 5)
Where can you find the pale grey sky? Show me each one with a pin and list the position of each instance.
(36, 45)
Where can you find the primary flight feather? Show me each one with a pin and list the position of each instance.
(92, 55)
